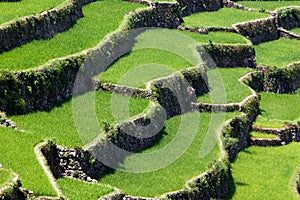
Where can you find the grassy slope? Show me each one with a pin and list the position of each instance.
(57, 124)
(296, 30)
(10, 11)
(278, 53)
(174, 176)
(265, 172)
(146, 64)
(261, 135)
(278, 108)
(268, 5)
(107, 14)
(235, 91)
(5, 176)
(224, 17)
(143, 65)
(217, 37)
(79, 190)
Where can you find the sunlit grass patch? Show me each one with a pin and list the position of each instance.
(278, 53)
(188, 165)
(295, 30)
(224, 17)
(265, 172)
(256, 134)
(12, 10)
(100, 18)
(234, 91)
(77, 189)
(268, 5)
(283, 107)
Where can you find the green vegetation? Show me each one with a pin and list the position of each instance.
(235, 91)
(268, 123)
(76, 189)
(280, 106)
(278, 52)
(141, 66)
(17, 154)
(296, 30)
(174, 176)
(107, 14)
(268, 5)
(217, 37)
(145, 64)
(224, 17)
(58, 124)
(5, 176)
(10, 11)
(265, 172)
(256, 134)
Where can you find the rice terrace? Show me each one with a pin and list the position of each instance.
(149, 99)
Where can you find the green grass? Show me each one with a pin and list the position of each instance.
(265, 172)
(10, 11)
(224, 17)
(268, 5)
(295, 30)
(101, 18)
(268, 123)
(80, 190)
(188, 165)
(217, 37)
(235, 91)
(256, 134)
(58, 124)
(5, 176)
(141, 66)
(284, 107)
(278, 53)
(17, 154)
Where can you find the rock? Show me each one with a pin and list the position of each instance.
(1, 167)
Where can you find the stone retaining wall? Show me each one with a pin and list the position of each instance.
(164, 15)
(289, 35)
(192, 6)
(285, 135)
(258, 31)
(227, 55)
(289, 17)
(277, 80)
(42, 26)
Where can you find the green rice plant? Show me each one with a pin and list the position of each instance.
(295, 30)
(18, 155)
(267, 123)
(76, 189)
(268, 5)
(10, 11)
(235, 91)
(217, 37)
(58, 124)
(100, 18)
(283, 107)
(5, 176)
(256, 134)
(278, 53)
(265, 173)
(224, 17)
(149, 63)
(188, 165)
